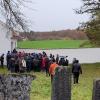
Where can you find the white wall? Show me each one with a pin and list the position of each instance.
(13, 44)
(85, 55)
(5, 39)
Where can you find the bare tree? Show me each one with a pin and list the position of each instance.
(89, 6)
(11, 10)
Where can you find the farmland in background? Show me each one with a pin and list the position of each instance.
(54, 44)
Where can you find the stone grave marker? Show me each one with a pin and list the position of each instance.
(96, 90)
(61, 85)
(15, 87)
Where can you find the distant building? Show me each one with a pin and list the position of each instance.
(8, 39)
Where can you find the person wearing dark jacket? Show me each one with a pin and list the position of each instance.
(8, 57)
(47, 66)
(67, 61)
(2, 60)
(76, 70)
(57, 59)
(62, 61)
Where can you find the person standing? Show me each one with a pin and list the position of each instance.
(74, 60)
(14, 51)
(47, 66)
(62, 61)
(43, 63)
(67, 61)
(76, 70)
(8, 57)
(2, 60)
(22, 65)
(52, 68)
(12, 64)
(28, 62)
(57, 59)
(16, 64)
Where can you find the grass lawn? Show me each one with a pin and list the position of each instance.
(52, 44)
(41, 86)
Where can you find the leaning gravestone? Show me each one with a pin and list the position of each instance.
(96, 90)
(15, 87)
(61, 85)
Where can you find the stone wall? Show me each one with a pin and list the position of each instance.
(61, 85)
(15, 87)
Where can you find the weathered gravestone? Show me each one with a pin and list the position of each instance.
(96, 90)
(15, 87)
(61, 85)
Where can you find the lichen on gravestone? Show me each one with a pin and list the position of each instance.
(15, 86)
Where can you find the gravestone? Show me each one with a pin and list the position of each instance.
(96, 90)
(15, 87)
(61, 85)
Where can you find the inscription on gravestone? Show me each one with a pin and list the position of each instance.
(15, 87)
(61, 85)
(96, 90)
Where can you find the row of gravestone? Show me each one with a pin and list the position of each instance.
(61, 86)
(17, 87)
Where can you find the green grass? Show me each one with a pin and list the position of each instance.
(87, 44)
(41, 86)
(83, 91)
(3, 70)
(52, 44)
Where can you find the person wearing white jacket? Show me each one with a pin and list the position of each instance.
(23, 65)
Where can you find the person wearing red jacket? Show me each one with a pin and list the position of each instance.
(43, 63)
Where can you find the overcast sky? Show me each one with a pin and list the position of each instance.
(50, 15)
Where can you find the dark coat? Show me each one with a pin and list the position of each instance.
(76, 68)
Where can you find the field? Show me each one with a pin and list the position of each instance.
(41, 86)
(54, 44)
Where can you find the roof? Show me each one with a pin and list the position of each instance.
(15, 35)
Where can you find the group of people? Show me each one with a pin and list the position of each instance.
(19, 62)
(76, 69)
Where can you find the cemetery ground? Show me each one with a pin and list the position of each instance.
(54, 44)
(41, 86)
